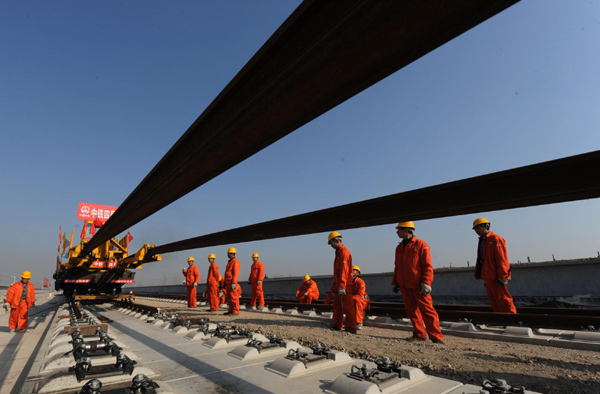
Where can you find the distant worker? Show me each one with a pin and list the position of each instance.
(413, 274)
(342, 278)
(493, 267)
(359, 294)
(308, 291)
(212, 284)
(192, 277)
(20, 297)
(257, 275)
(233, 289)
(222, 293)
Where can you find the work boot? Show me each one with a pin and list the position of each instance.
(227, 313)
(335, 328)
(260, 307)
(12, 331)
(437, 341)
(351, 330)
(359, 326)
(415, 339)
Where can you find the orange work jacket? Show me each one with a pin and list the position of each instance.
(212, 279)
(192, 275)
(412, 265)
(358, 288)
(232, 271)
(310, 288)
(14, 292)
(257, 272)
(495, 263)
(342, 269)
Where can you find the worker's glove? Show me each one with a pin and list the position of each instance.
(220, 294)
(395, 289)
(366, 297)
(32, 304)
(185, 270)
(233, 286)
(195, 284)
(342, 291)
(425, 289)
(259, 282)
(503, 282)
(6, 306)
(305, 294)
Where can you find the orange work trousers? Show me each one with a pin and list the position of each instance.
(233, 299)
(223, 298)
(422, 314)
(212, 294)
(19, 317)
(360, 306)
(257, 294)
(499, 297)
(305, 300)
(349, 311)
(191, 296)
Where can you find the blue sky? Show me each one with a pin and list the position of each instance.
(93, 94)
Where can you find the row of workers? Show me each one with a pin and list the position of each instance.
(413, 276)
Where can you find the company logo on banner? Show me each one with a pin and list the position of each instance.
(94, 211)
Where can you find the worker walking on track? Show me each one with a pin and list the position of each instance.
(360, 297)
(342, 278)
(493, 267)
(413, 274)
(192, 277)
(20, 297)
(257, 275)
(212, 284)
(234, 290)
(308, 291)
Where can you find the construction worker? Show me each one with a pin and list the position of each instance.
(342, 278)
(192, 278)
(20, 297)
(222, 291)
(493, 267)
(212, 284)
(257, 275)
(413, 274)
(359, 294)
(308, 291)
(234, 290)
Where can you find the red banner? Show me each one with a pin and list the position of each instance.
(94, 211)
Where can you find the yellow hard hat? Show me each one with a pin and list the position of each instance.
(190, 258)
(26, 275)
(255, 255)
(333, 235)
(231, 250)
(212, 256)
(306, 277)
(356, 267)
(220, 278)
(406, 224)
(479, 221)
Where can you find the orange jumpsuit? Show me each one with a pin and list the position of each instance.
(192, 275)
(257, 273)
(19, 308)
(360, 302)
(212, 287)
(231, 276)
(492, 266)
(223, 298)
(342, 277)
(411, 268)
(311, 289)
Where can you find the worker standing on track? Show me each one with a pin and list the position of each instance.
(212, 284)
(413, 274)
(342, 278)
(493, 267)
(222, 291)
(308, 291)
(192, 277)
(257, 275)
(234, 290)
(20, 296)
(359, 294)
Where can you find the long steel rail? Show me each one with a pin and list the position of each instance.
(323, 54)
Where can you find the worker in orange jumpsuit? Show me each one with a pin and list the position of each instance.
(493, 267)
(192, 277)
(342, 278)
(413, 274)
(222, 291)
(359, 294)
(308, 291)
(257, 275)
(212, 284)
(234, 290)
(20, 296)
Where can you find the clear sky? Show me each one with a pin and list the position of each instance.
(93, 94)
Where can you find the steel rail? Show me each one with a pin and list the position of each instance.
(323, 54)
(555, 181)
